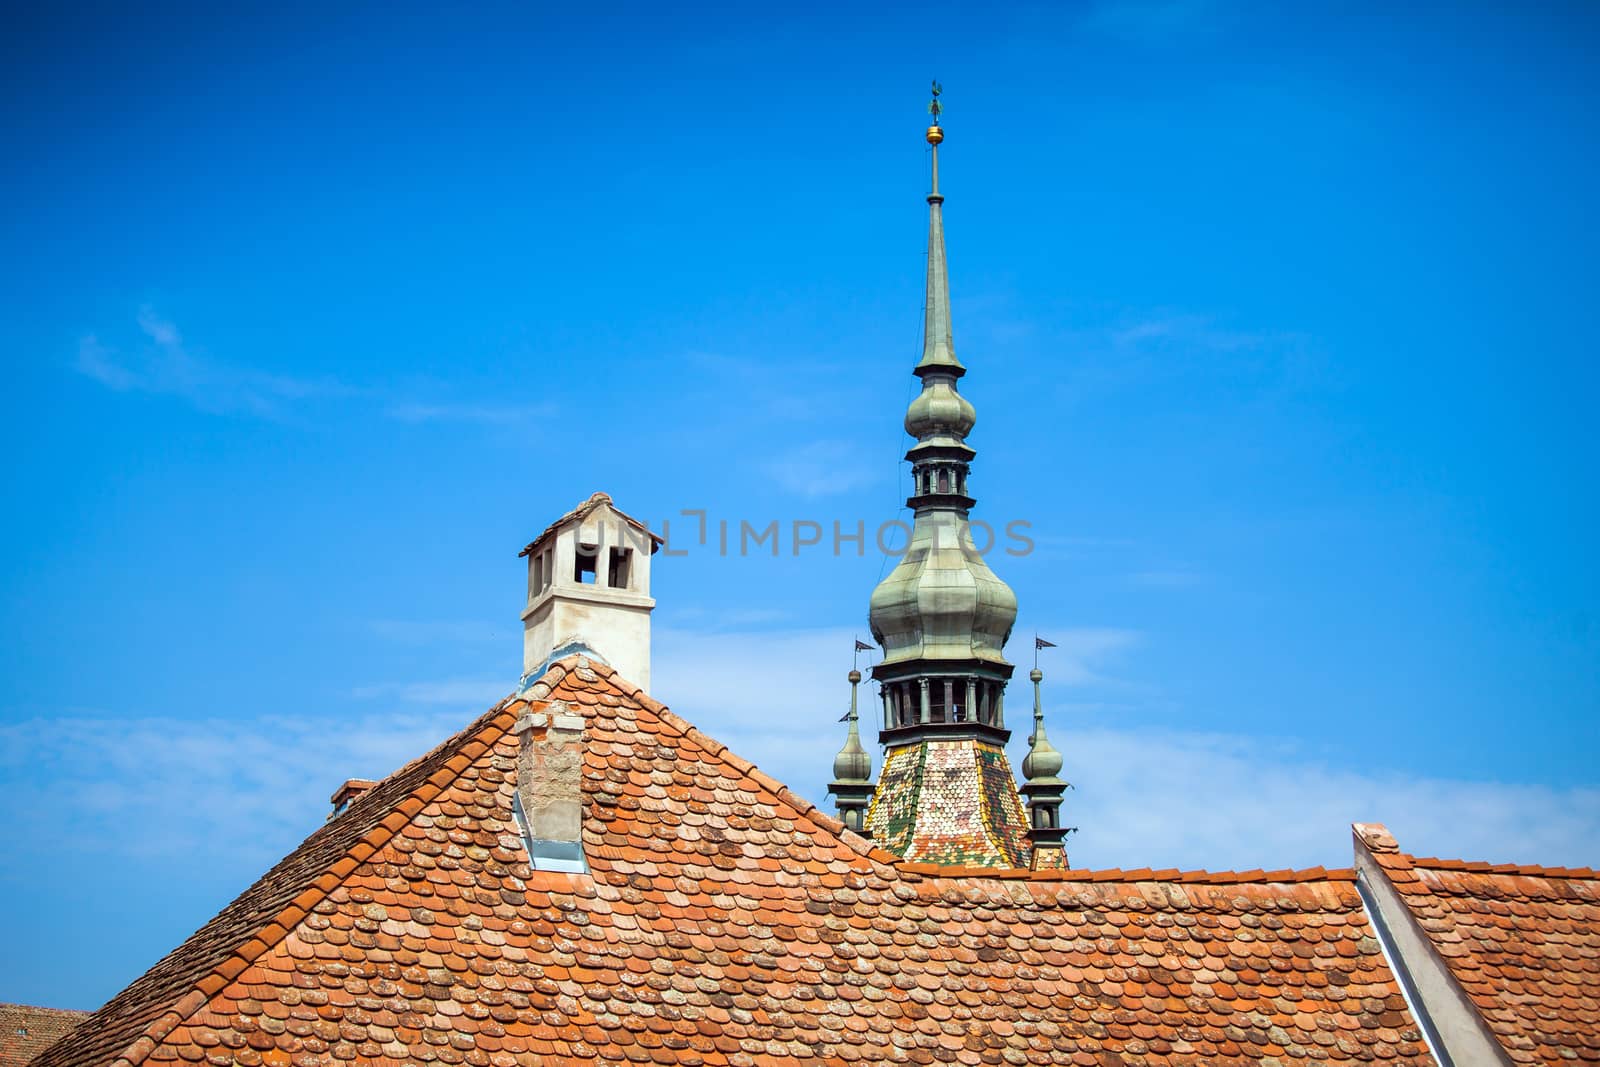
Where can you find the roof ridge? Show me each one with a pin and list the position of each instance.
(262, 936)
(1484, 867)
(41, 1007)
(1143, 874)
(717, 749)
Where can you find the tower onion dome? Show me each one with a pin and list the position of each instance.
(852, 768)
(853, 764)
(942, 602)
(940, 411)
(1042, 762)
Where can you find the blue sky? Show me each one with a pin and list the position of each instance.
(1279, 326)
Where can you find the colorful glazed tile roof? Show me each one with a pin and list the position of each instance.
(26, 1031)
(1523, 942)
(950, 802)
(728, 921)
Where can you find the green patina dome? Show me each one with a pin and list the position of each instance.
(942, 601)
(940, 411)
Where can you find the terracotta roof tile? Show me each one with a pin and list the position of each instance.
(726, 921)
(1523, 942)
(583, 510)
(26, 1031)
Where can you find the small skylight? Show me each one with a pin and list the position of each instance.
(562, 856)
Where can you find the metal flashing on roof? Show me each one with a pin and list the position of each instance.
(560, 857)
(575, 646)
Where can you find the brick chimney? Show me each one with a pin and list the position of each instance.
(346, 794)
(549, 800)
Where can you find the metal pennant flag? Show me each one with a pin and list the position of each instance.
(1038, 643)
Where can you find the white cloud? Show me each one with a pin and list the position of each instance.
(155, 793)
(164, 364)
(775, 696)
(411, 632)
(98, 362)
(493, 414)
(166, 792)
(1143, 797)
(160, 362)
(1167, 579)
(1167, 352)
(1151, 798)
(1195, 332)
(821, 468)
(690, 616)
(1081, 653)
(467, 692)
(158, 329)
(757, 390)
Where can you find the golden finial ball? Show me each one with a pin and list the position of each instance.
(935, 135)
(855, 676)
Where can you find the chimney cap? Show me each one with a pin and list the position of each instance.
(352, 788)
(583, 510)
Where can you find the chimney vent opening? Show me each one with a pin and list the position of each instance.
(586, 564)
(621, 564)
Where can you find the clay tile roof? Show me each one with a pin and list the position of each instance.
(1523, 942)
(26, 1031)
(583, 510)
(727, 921)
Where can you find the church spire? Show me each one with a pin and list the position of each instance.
(942, 602)
(945, 793)
(938, 343)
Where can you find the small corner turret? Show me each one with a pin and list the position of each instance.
(1044, 789)
(852, 769)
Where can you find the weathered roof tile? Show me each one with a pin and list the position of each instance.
(725, 920)
(26, 1031)
(1522, 941)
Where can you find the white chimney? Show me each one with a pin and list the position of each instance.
(589, 584)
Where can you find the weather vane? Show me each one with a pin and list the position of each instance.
(936, 108)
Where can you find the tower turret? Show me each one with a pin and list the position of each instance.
(1044, 790)
(852, 769)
